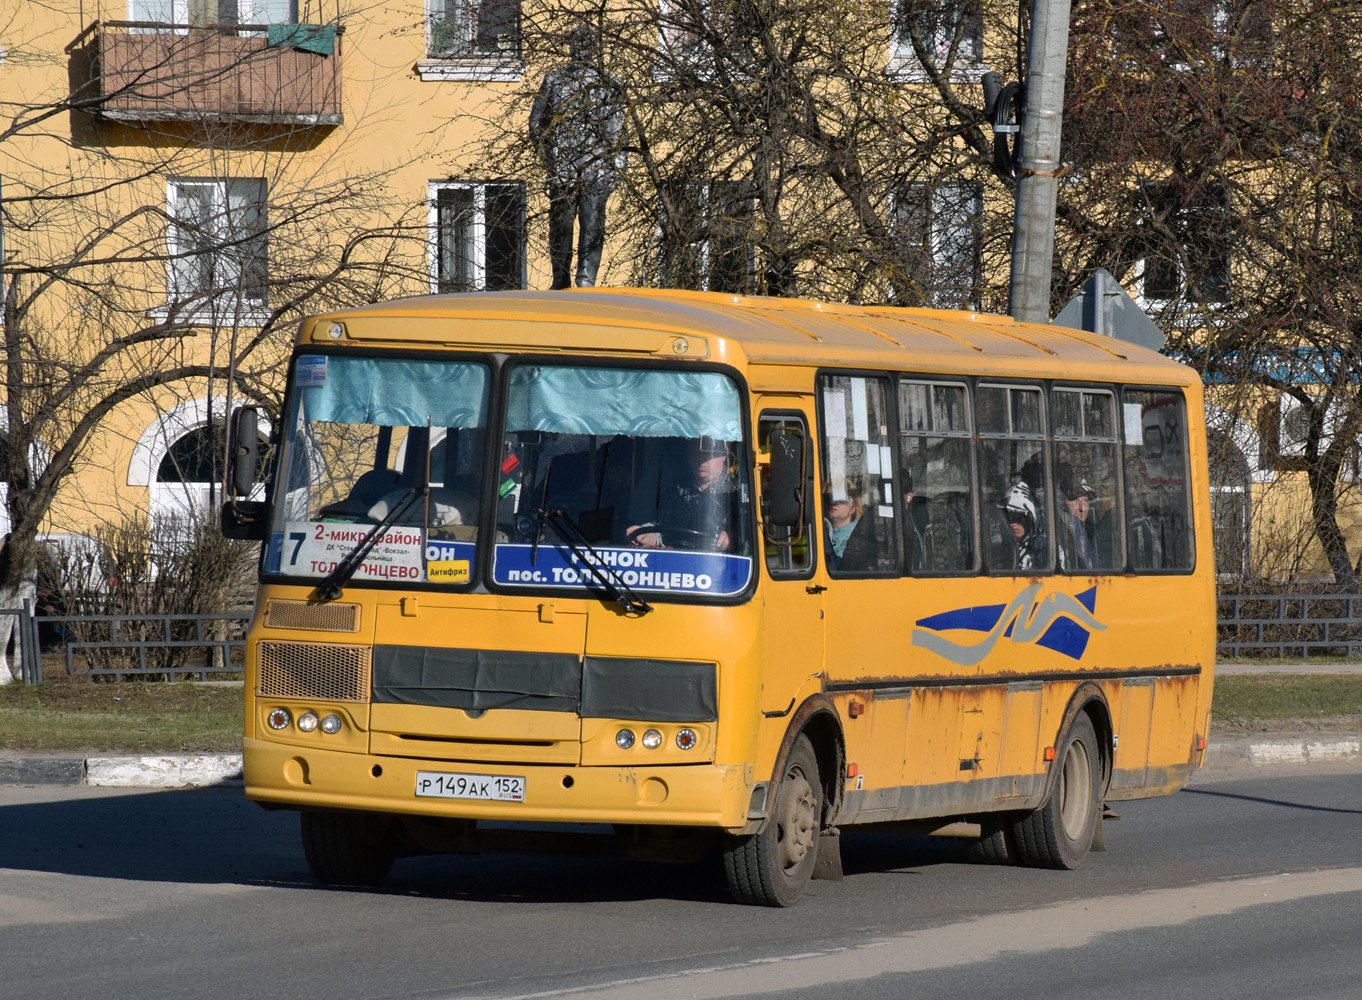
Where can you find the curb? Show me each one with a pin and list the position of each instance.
(176, 771)
(1308, 750)
(200, 771)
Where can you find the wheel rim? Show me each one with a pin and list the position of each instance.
(1075, 789)
(798, 821)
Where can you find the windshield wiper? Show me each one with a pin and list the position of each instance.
(605, 574)
(330, 587)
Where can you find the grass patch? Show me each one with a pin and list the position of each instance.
(76, 715)
(1267, 697)
(128, 717)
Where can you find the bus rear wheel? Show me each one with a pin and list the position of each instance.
(1060, 833)
(345, 848)
(773, 867)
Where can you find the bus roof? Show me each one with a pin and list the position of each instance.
(751, 329)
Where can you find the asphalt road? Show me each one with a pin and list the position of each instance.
(1241, 888)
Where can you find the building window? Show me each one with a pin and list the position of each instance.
(205, 12)
(216, 241)
(705, 236)
(946, 30)
(1186, 246)
(473, 29)
(939, 230)
(477, 237)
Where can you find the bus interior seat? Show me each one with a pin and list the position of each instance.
(369, 488)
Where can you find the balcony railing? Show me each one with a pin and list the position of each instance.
(151, 71)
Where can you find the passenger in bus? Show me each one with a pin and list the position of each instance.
(849, 543)
(1019, 506)
(1074, 507)
(696, 515)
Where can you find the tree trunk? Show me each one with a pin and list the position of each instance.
(13, 597)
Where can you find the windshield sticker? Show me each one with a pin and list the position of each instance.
(313, 548)
(311, 371)
(658, 571)
(449, 562)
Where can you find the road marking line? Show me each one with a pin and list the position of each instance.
(1072, 924)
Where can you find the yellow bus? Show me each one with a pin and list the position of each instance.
(686, 573)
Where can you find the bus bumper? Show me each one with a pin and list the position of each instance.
(705, 795)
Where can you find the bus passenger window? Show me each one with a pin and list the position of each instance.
(859, 518)
(1158, 509)
(938, 494)
(1012, 478)
(1087, 515)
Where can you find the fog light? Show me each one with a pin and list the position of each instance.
(624, 739)
(685, 739)
(331, 725)
(307, 722)
(652, 739)
(279, 718)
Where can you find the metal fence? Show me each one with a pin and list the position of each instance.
(120, 646)
(1278, 625)
(1271, 625)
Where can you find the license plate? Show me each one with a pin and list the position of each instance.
(488, 787)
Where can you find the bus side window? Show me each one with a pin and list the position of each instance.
(1010, 423)
(1158, 498)
(859, 498)
(788, 551)
(937, 486)
(1086, 497)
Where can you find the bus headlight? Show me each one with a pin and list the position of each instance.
(652, 739)
(624, 739)
(307, 722)
(279, 718)
(331, 725)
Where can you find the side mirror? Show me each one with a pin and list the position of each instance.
(785, 488)
(245, 450)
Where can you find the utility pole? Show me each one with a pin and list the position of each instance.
(1033, 232)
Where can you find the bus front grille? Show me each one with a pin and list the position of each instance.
(306, 615)
(325, 671)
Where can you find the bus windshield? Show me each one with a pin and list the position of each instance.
(369, 440)
(638, 471)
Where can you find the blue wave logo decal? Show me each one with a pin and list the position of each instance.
(1058, 622)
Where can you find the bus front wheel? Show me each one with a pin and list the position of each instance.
(1060, 832)
(347, 848)
(773, 867)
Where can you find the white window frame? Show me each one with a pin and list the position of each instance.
(478, 67)
(1291, 444)
(224, 308)
(479, 189)
(1181, 304)
(943, 216)
(903, 62)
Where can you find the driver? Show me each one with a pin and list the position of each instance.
(695, 515)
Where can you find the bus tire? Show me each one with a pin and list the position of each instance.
(1060, 833)
(343, 848)
(994, 846)
(773, 867)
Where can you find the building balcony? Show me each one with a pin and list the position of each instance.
(137, 71)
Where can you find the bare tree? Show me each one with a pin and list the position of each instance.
(775, 147)
(157, 260)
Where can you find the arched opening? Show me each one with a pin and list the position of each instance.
(188, 483)
(1231, 507)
